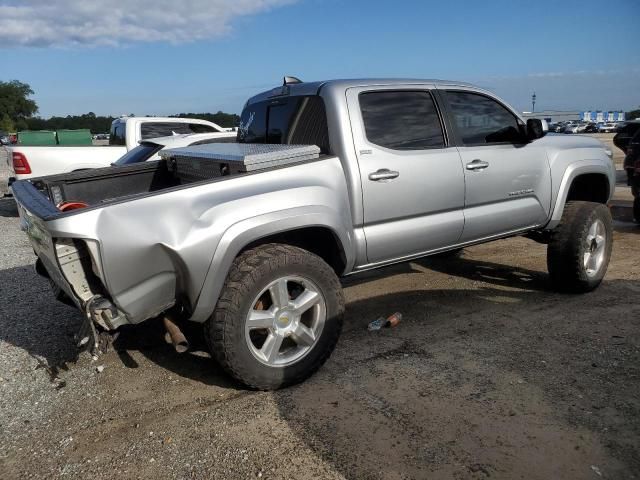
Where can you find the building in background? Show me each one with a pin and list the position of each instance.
(599, 116)
(596, 116)
(553, 116)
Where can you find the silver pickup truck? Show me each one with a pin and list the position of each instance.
(400, 169)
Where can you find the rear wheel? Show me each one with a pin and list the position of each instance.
(278, 317)
(580, 247)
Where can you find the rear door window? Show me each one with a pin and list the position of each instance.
(481, 120)
(401, 120)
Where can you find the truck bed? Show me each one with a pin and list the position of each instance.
(99, 187)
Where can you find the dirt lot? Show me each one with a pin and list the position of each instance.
(489, 375)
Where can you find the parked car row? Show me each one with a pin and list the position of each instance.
(583, 127)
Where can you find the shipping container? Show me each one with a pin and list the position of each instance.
(74, 137)
(37, 137)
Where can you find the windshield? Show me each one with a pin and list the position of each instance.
(141, 153)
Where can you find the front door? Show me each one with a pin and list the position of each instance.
(508, 182)
(412, 179)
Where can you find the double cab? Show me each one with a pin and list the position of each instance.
(403, 169)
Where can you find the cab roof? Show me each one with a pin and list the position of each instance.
(314, 88)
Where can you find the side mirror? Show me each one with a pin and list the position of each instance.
(536, 128)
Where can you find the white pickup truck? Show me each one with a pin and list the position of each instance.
(126, 133)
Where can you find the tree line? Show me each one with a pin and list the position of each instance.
(17, 112)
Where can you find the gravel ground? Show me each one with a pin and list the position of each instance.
(489, 374)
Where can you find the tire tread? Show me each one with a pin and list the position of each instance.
(219, 328)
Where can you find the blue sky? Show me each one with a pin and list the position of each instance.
(153, 57)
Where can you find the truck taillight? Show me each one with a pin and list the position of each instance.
(20, 164)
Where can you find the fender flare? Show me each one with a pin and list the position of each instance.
(241, 234)
(571, 173)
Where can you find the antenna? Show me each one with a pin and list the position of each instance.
(291, 80)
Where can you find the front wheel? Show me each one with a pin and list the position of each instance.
(278, 317)
(580, 247)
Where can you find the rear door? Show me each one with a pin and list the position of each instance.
(412, 179)
(508, 181)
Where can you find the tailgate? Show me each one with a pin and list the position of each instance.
(34, 208)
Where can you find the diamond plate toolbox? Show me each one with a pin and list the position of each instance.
(244, 156)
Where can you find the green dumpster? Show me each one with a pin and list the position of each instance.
(37, 137)
(74, 137)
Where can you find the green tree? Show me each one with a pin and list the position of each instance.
(6, 124)
(15, 103)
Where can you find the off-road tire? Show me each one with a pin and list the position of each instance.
(249, 274)
(567, 246)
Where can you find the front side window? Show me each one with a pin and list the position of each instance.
(401, 120)
(482, 120)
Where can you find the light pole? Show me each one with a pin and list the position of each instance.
(533, 102)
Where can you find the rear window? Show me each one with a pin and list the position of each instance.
(141, 153)
(156, 129)
(299, 120)
(165, 129)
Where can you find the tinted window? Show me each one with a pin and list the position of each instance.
(401, 120)
(481, 120)
(300, 120)
(118, 134)
(165, 129)
(141, 153)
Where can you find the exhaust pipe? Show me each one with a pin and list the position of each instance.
(175, 335)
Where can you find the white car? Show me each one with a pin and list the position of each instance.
(148, 149)
(126, 134)
(608, 127)
(576, 128)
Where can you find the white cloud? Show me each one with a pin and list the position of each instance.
(91, 22)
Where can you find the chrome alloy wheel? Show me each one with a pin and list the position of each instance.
(595, 248)
(285, 321)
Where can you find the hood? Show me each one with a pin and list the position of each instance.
(565, 142)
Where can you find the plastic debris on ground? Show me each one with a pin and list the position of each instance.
(389, 322)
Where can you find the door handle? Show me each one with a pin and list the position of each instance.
(383, 174)
(477, 165)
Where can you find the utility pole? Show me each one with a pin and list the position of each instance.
(533, 102)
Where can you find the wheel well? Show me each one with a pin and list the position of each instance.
(590, 187)
(319, 240)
